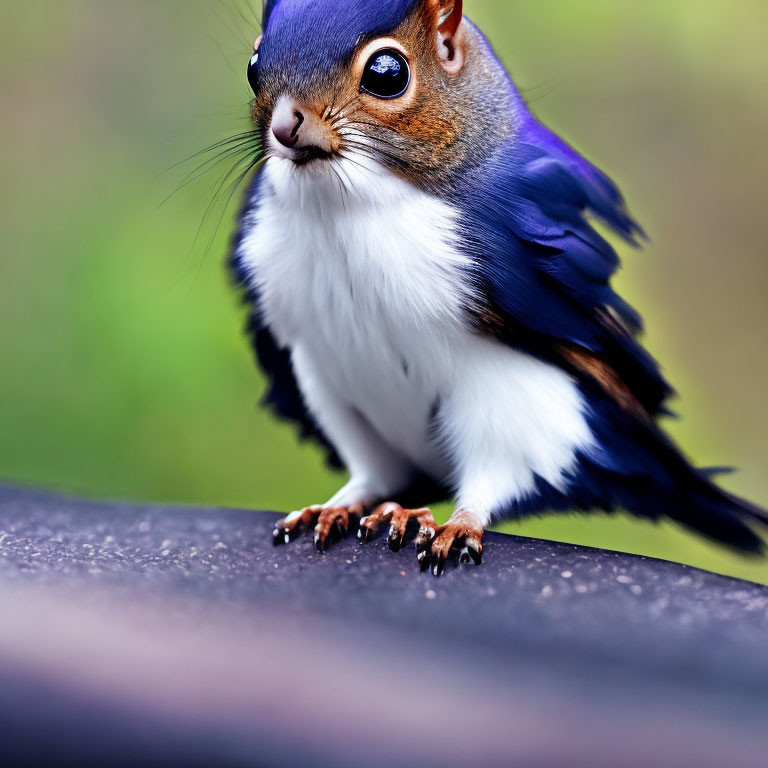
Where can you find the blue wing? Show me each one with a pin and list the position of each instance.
(545, 272)
(543, 266)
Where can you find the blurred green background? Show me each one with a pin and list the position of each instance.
(123, 369)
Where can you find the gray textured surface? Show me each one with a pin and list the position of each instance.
(155, 634)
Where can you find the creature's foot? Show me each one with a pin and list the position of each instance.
(403, 523)
(331, 524)
(460, 536)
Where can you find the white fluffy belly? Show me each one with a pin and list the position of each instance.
(371, 286)
(388, 384)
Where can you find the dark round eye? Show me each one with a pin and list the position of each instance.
(252, 79)
(386, 75)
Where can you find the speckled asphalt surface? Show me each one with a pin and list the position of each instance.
(155, 635)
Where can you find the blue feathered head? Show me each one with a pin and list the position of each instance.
(330, 28)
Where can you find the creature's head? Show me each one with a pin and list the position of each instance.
(408, 84)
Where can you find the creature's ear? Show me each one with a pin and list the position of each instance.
(447, 16)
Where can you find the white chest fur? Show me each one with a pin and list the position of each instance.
(368, 281)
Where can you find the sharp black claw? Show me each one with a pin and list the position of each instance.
(475, 551)
(278, 537)
(424, 560)
(319, 544)
(438, 565)
(395, 543)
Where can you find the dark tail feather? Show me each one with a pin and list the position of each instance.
(642, 471)
(718, 515)
(724, 522)
(745, 507)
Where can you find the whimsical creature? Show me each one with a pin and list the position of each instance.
(429, 299)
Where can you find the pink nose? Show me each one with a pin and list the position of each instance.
(286, 123)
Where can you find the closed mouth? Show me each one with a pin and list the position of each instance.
(308, 154)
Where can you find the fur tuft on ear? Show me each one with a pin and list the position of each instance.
(448, 15)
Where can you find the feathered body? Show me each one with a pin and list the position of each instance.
(430, 300)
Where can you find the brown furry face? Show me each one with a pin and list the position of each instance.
(426, 135)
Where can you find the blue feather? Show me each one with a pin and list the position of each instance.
(542, 265)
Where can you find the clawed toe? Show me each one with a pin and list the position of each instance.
(402, 533)
(424, 547)
(331, 525)
(404, 524)
(292, 526)
(473, 550)
(454, 541)
(364, 533)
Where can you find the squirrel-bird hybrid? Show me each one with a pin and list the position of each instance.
(430, 301)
